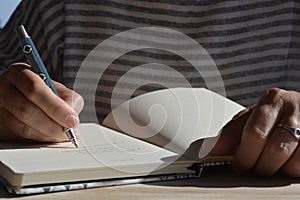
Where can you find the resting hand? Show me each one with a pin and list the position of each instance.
(30, 110)
(256, 141)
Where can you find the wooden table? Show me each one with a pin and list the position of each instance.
(216, 183)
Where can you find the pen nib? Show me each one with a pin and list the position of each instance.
(76, 145)
(71, 135)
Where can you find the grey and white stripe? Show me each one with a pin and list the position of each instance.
(254, 44)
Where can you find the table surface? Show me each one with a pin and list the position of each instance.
(216, 183)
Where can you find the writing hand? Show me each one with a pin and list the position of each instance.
(30, 110)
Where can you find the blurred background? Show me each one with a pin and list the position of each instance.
(7, 7)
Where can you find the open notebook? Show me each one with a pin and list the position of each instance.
(149, 144)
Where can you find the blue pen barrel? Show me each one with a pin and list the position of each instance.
(33, 57)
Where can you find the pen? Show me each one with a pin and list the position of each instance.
(38, 67)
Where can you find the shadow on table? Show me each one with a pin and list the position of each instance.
(224, 177)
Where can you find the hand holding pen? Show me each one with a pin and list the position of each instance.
(30, 110)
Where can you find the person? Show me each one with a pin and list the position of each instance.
(253, 44)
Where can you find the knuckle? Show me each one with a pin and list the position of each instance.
(285, 148)
(259, 133)
(272, 96)
(293, 121)
(18, 75)
(15, 70)
(32, 89)
(24, 112)
(26, 132)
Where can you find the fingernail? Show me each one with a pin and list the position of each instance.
(72, 121)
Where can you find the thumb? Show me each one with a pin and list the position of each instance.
(231, 134)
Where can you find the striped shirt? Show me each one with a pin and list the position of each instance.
(138, 46)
